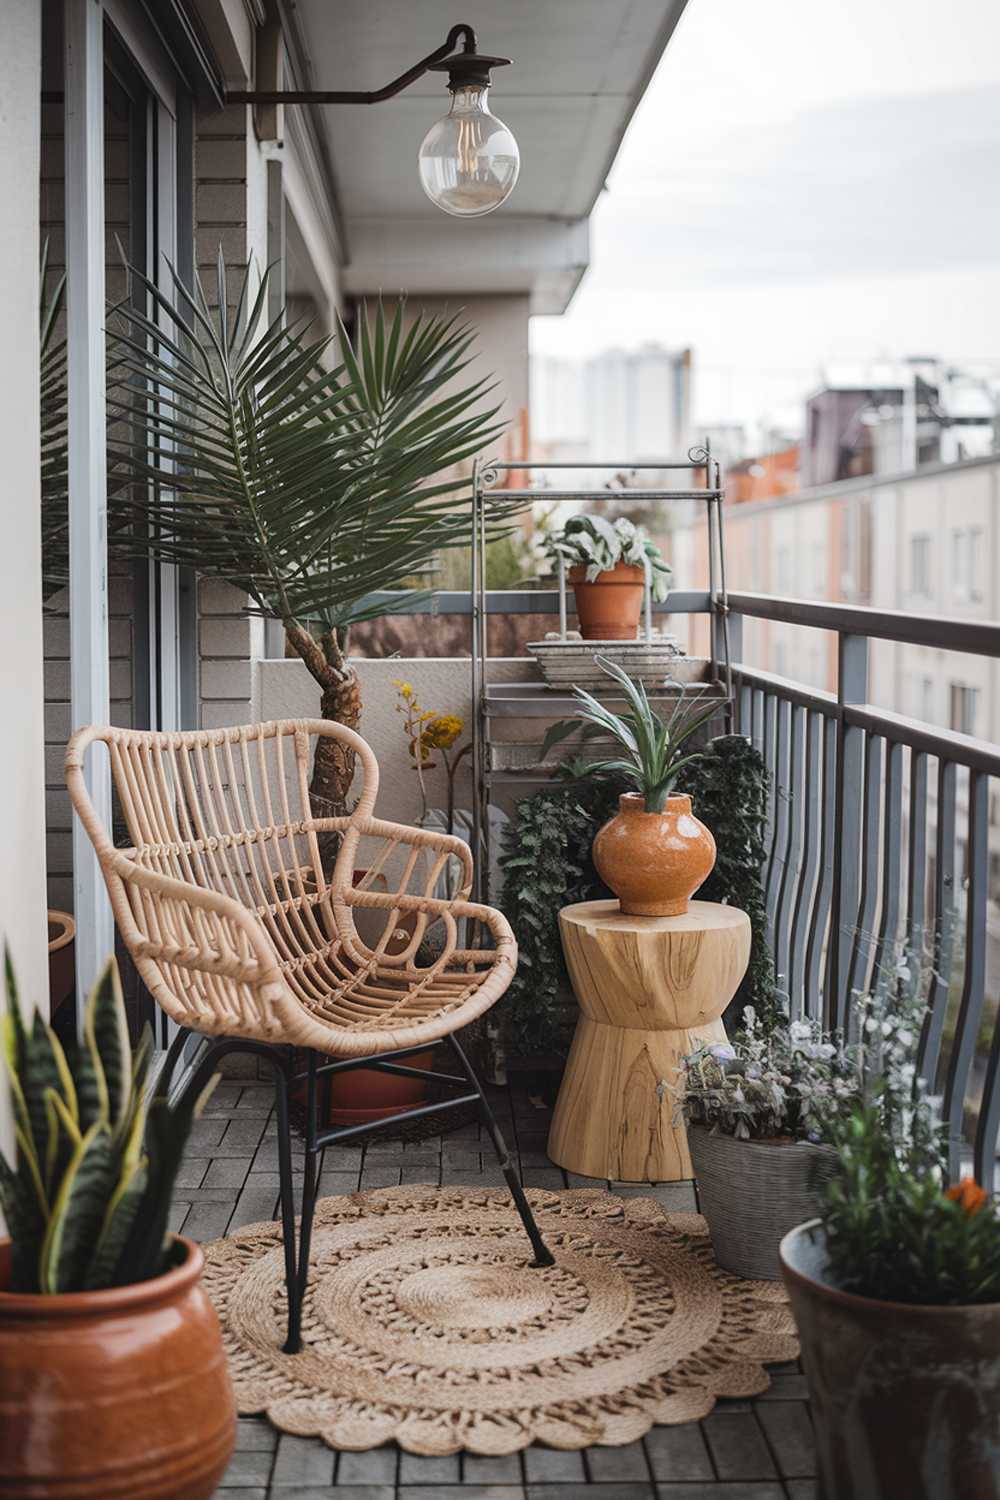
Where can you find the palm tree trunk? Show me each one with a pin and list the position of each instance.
(333, 763)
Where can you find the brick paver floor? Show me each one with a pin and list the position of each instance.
(745, 1450)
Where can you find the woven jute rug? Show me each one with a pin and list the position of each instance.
(425, 1322)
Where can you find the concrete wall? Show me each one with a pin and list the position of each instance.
(22, 869)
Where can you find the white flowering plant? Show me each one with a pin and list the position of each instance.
(776, 1083)
(793, 1081)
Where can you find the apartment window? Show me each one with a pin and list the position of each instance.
(966, 562)
(920, 565)
(964, 703)
(783, 570)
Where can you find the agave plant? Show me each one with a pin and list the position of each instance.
(599, 545)
(652, 745)
(86, 1202)
(308, 474)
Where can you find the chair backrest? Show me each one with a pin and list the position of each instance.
(227, 810)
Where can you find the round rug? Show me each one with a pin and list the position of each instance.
(426, 1322)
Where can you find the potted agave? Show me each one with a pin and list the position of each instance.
(654, 853)
(113, 1380)
(895, 1289)
(607, 568)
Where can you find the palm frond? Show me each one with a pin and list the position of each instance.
(308, 486)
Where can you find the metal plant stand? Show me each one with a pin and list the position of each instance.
(494, 701)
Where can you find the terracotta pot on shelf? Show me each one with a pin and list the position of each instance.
(121, 1394)
(62, 958)
(608, 609)
(654, 862)
(905, 1398)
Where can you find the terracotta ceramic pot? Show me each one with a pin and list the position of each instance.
(905, 1399)
(654, 862)
(608, 609)
(62, 958)
(115, 1395)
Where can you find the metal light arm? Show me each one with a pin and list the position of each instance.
(462, 32)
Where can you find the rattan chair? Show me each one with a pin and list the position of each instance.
(239, 936)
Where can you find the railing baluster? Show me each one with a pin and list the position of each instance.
(826, 796)
(769, 716)
(916, 871)
(944, 924)
(864, 927)
(780, 803)
(892, 854)
(852, 687)
(757, 722)
(812, 804)
(796, 815)
(963, 1048)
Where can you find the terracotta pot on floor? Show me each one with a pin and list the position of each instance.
(62, 958)
(608, 609)
(654, 862)
(115, 1395)
(905, 1399)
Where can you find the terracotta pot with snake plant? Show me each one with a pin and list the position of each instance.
(654, 853)
(310, 473)
(113, 1380)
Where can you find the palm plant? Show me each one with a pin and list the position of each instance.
(652, 745)
(254, 457)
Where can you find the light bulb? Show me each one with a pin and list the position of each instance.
(469, 161)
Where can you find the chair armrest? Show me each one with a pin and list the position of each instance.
(166, 921)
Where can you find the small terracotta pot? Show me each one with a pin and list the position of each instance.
(905, 1399)
(62, 958)
(608, 609)
(654, 862)
(115, 1395)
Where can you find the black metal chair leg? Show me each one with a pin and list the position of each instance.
(543, 1255)
(292, 1342)
(310, 1192)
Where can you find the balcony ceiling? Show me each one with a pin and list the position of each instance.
(580, 68)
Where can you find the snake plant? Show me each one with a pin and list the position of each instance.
(96, 1150)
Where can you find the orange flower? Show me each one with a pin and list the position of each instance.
(969, 1196)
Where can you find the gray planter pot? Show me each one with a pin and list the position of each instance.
(906, 1400)
(752, 1193)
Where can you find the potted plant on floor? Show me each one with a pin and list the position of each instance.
(607, 568)
(654, 853)
(895, 1289)
(113, 1380)
(754, 1109)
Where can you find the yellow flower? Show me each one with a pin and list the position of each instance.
(442, 731)
(404, 687)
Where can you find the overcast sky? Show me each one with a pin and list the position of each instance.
(804, 183)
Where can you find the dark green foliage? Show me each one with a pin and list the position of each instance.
(87, 1200)
(545, 857)
(728, 787)
(893, 1234)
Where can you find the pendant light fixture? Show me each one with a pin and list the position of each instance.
(468, 161)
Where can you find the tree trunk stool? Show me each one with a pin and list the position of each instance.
(649, 989)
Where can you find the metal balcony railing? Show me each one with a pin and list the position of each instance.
(878, 835)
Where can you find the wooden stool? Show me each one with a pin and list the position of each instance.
(649, 989)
